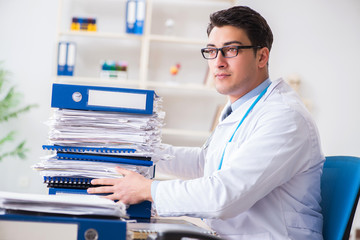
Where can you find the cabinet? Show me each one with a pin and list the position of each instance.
(190, 103)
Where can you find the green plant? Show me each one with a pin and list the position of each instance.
(10, 100)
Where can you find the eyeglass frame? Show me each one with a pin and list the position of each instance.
(222, 52)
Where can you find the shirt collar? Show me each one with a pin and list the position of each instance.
(256, 91)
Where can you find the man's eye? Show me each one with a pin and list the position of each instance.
(231, 49)
(211, 51)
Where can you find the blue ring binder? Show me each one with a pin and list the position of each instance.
(79, 97)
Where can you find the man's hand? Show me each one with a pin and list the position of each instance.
(131, 189)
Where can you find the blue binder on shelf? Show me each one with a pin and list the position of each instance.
(80, 97)
(66, 58)
(43, 227)
(136, 211)
(135, 16)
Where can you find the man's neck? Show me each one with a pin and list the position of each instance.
(254, 92)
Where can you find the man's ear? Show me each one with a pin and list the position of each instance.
(263, 57)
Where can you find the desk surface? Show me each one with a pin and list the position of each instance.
(141, 230)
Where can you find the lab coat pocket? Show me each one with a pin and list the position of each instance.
(302, 221)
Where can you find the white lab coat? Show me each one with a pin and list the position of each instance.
(269, 183)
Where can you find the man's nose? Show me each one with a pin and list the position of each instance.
(220, 60)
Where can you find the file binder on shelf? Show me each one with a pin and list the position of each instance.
(66, 58)
(135, 16)
(44, 227)
(140, 210)
(97, 98)
(140, 17)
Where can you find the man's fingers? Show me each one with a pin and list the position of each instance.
(113, 197)
(108, 189)
(103, 181)
(123, 171)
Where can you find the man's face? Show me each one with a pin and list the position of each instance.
(238, 75)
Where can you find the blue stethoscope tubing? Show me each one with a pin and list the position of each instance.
(246, 114)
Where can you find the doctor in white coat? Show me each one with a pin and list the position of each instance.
(258, 176)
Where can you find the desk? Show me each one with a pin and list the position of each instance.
(142, 229)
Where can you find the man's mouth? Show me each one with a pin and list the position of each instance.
(221, 76)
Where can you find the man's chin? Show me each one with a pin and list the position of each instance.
(221, 90)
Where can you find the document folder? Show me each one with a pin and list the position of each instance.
(79, 97)
(45, 227)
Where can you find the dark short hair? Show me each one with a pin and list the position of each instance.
(247, 19)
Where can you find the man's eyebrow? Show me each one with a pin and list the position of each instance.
(232, 42)
(225, 44)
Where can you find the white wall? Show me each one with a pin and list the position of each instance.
(318, 40)
(27, 47)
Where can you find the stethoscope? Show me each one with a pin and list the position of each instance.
(242, 120)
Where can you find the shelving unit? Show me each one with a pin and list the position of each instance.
(149, 58)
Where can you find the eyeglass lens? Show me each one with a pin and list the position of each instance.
(228, 52)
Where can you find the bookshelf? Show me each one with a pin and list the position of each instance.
(190, 103)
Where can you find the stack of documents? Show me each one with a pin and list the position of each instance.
(93, 129)
(87, 205)
(110, 129)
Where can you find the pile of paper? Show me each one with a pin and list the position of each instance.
(110, 129)
(89, 205)
(89, 144)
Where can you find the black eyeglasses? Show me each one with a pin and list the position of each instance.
(227, 51)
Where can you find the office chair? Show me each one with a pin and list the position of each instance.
(340, 194)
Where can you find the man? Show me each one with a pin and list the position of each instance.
(258, 177)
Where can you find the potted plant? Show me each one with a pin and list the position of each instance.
(10, 108)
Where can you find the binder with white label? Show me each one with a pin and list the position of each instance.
(66, 58)
(140, 17)
(81, 97)
(130, 16)
(15, 226)
(135, 16)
